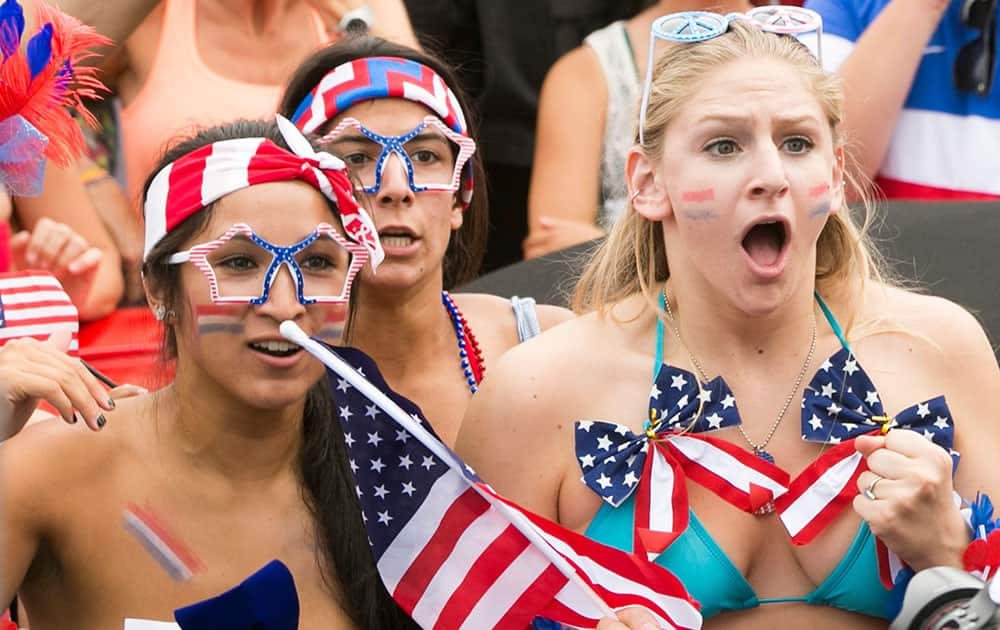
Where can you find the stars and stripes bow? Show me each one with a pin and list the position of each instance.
(840, 404)
(656, 463)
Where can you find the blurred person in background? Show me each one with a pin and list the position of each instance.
(577, 188)
(502, 51)
(923, 103)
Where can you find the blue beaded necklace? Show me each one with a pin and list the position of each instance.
(472, 362)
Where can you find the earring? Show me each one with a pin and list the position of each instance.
(160, 313)
(635, 193)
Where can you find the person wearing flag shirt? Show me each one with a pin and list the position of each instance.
(922, 102)
(429, 203)
(691, 413)
(233, 459)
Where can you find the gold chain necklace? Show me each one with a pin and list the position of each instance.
(758, 449)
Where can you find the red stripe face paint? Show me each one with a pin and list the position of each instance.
(698, 196)
(819, 190)
(332, 330)
(219, 319)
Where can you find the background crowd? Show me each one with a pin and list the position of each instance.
(553, 89)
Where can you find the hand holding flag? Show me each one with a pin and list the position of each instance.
(450, 550)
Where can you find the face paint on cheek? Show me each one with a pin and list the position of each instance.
(701, 215)
(698, 196)
(225, 319)
(822, 210)
(819, 191)
(332, 330)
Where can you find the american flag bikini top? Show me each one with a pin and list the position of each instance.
(839, 404)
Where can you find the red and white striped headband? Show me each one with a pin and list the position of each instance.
(195, 180)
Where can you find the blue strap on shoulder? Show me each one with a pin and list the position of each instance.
(828, 314)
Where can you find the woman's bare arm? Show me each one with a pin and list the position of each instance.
(566, 173)
(879, 72)
(65, 200)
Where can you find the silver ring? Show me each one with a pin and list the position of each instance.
(869, 492)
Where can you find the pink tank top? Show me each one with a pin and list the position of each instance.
(182, 93)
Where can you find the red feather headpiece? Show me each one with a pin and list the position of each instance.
(45, 79)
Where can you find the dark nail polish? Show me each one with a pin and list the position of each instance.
(111, 403)
(101, 421)
(76, 417)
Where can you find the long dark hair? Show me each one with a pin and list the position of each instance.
(467, 245)
(327, 482)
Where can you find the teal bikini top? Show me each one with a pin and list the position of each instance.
(713, 580)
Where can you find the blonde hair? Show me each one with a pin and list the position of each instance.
(633, 257)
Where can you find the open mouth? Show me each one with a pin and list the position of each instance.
(765, 242)
(275, 348)
(396, 238)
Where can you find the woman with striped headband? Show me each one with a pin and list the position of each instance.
(397, 118)
(746, 399)
(176, 496)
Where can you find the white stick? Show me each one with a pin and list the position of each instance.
(291, 331)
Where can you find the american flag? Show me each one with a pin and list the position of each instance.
(34, 304)
(452, 552)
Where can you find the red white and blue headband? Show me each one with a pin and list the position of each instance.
(383, 77)
(207, 174)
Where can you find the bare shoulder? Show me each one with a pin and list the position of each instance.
(947, 328)
(518, 427)
(543, 381)
(51, 466)
(549, 315)
(500, 313)
(579, 64)
(560, 98)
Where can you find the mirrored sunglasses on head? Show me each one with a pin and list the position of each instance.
(241, 266)
(432, 154)
(698, 26)
(975, 64)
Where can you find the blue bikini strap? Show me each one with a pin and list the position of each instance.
(828, 314)
(659, 335)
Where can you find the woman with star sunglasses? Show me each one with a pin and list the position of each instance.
(746, 397)
(177, 495)
(399, 120)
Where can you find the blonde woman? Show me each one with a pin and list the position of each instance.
(682, 394)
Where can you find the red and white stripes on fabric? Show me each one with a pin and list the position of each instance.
(208, 173)
(820, 492)
(34, 304)
(818, 495)
(463, 563)
(742, 479)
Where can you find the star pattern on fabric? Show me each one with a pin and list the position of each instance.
(612, 457)
(842, 403)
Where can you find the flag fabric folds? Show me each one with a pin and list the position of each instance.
(34, 304)
(452, 552)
